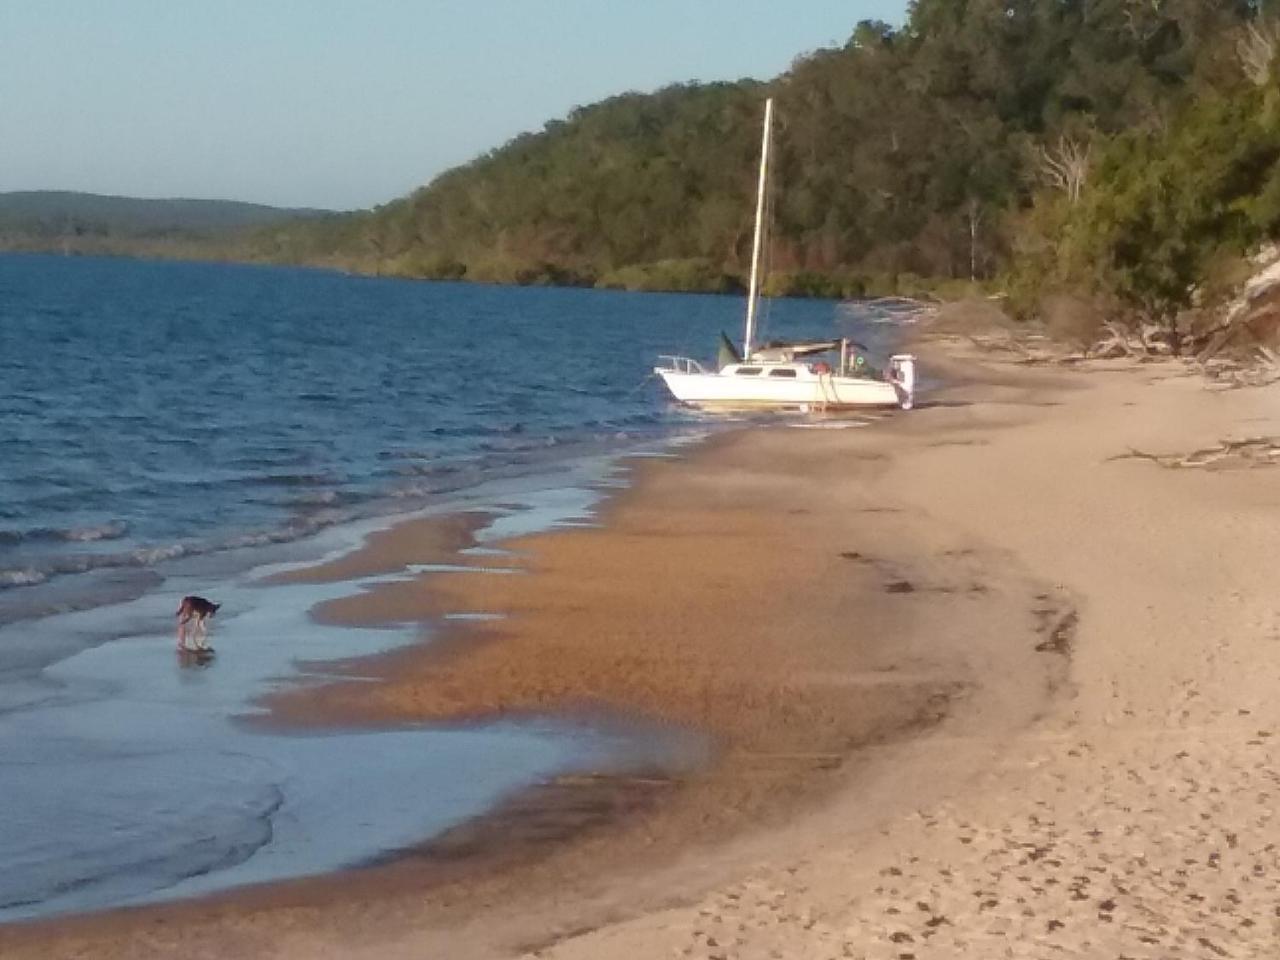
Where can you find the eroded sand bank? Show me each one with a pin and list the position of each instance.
(976, 685)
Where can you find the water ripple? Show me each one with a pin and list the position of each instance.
(157, 410)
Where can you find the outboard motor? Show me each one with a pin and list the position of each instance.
(902, 373)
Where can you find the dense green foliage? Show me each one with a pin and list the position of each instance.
(632, 182)
(1125, 147)
(1168, 205)
(905, 154)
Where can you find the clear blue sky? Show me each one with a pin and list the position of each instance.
(347, 104)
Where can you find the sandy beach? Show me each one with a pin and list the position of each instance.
(991, 679)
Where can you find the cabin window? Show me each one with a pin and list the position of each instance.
(784, 372)
(748, 371)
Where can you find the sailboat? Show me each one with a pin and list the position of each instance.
(785, 375)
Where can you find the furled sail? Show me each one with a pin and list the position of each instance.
(727, 353)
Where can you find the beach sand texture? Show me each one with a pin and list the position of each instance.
(983, 684)
(1137, 818)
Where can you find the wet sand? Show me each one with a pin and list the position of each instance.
(927, 650)
(430, 540)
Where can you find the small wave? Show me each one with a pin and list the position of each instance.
(425, 469)
(317, 498)
(146, 556)
(294, 531)
(514, 443)
(253, 540)
(26, 577)
(313, 498)
(412, 491)
(112, 530)
(84, 563)
(308, 502)
(107, 531)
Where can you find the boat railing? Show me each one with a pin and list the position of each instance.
(680, 364)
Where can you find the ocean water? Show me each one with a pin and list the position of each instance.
(172, 428)
(154, 410)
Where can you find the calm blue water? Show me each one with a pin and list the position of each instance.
(178, 428)
(154, 410)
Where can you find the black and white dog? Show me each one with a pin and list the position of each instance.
(195, 611)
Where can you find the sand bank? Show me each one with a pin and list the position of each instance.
(972, 681)
(429, 540)
(1137, 817)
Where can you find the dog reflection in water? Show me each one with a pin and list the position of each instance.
(195, 613)
(193, 659)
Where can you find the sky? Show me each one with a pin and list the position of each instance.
(344, 104)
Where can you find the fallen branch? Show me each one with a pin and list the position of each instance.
(1118, 341)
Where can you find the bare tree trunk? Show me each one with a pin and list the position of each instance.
(1066, 167)
(975, 218)
(1257, 50)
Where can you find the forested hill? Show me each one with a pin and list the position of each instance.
(1124, 150)
(44, 219)
(933, 150)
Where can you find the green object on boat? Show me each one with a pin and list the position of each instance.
(727, 353)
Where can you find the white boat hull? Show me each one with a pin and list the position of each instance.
(726, 390)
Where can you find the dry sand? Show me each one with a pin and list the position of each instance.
(980, 690)
(1137, 818)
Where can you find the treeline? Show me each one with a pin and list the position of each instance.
(1126, 149)
(1156, 219)
(74, 222)
(1123, 146)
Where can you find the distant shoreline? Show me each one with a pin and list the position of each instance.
(200, 249)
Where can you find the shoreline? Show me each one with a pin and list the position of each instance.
(896, 537)
(785, 745)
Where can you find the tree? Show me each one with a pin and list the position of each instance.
(1257, 50)
(1165, 205)
(1065, 166)
(921, 150)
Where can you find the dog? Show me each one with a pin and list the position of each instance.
(195, 611)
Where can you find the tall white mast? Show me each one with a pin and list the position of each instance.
(753, 293)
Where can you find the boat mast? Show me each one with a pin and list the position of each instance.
(753, 293)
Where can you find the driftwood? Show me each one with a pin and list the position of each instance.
(1239, 346)
(1119, 343)
(1232, 374)
(1251, 323)
(1245, 329)
(1236, 348)
(1248, 452)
